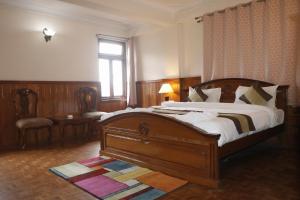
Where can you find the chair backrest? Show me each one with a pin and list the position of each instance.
(26, 103)
(87, 99)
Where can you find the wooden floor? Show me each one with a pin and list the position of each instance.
(262, 172)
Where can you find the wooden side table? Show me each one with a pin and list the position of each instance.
(75, 119)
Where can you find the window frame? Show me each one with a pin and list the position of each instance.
(111, 58)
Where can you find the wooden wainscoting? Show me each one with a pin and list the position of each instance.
(185, 83)
(54, 98)
(112, 105)
(147, 91)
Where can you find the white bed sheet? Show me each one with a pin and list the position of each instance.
(263, 117)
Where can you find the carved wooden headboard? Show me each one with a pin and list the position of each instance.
(229, 86)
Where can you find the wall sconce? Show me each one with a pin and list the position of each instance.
(165, 89)
(48, 33)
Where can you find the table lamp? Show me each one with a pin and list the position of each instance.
(165, 89)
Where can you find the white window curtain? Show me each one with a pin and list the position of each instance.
(257, 41)
(131, 73)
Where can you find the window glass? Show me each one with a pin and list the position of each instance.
(112, 68)
(110, 48)
(117, 77)
(104, 77)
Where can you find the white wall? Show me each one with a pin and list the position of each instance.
(158, 54)
(187, 37)
(70, 55)
(191, 49)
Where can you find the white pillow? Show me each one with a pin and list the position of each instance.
(213, 94)
(272, 90)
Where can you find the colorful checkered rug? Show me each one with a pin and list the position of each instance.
(108, 178)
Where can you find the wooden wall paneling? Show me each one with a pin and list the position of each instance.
(185, 83)
(175, 84)
(54, 98)
(139, 95)
(149, 95)
(144, 95)
(154, 97)
(7, 114)
(112, 105)
(147, 91)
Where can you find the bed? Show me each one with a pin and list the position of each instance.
(178, 148)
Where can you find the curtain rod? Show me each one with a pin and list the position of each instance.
(200, 18)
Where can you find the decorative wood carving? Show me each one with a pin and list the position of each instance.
(144, 129)
(87, 99)
(26, 103)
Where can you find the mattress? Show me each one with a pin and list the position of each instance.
(204, 116)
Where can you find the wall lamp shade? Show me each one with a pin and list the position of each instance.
(164, 89)
(48, 34)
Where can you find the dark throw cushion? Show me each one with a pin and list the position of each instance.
(256, 95)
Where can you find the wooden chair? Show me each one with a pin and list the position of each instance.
(88, 106)
(88, 102)
(26, 110)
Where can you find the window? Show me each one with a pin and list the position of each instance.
(112, 68)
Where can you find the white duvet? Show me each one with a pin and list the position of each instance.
(263, 117)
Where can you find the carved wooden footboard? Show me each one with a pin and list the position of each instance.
(162, 144)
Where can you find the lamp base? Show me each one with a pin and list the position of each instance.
(167, 98)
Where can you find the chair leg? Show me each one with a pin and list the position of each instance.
(19, 137)
(90, 129)
(36, 135)
(95, 131)
(23, 138)
(62, 133)
(86, 130)
(82, 131)
(49, 135)
(75, 130)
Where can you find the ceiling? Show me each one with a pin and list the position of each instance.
(133, 15)
(173, 5)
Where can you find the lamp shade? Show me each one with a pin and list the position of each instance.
(165, 88)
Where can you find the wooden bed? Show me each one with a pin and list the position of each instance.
(177, 148)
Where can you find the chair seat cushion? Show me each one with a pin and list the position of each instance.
(33, 122)
(93, 114)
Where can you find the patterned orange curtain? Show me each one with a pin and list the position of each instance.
(257, 41)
